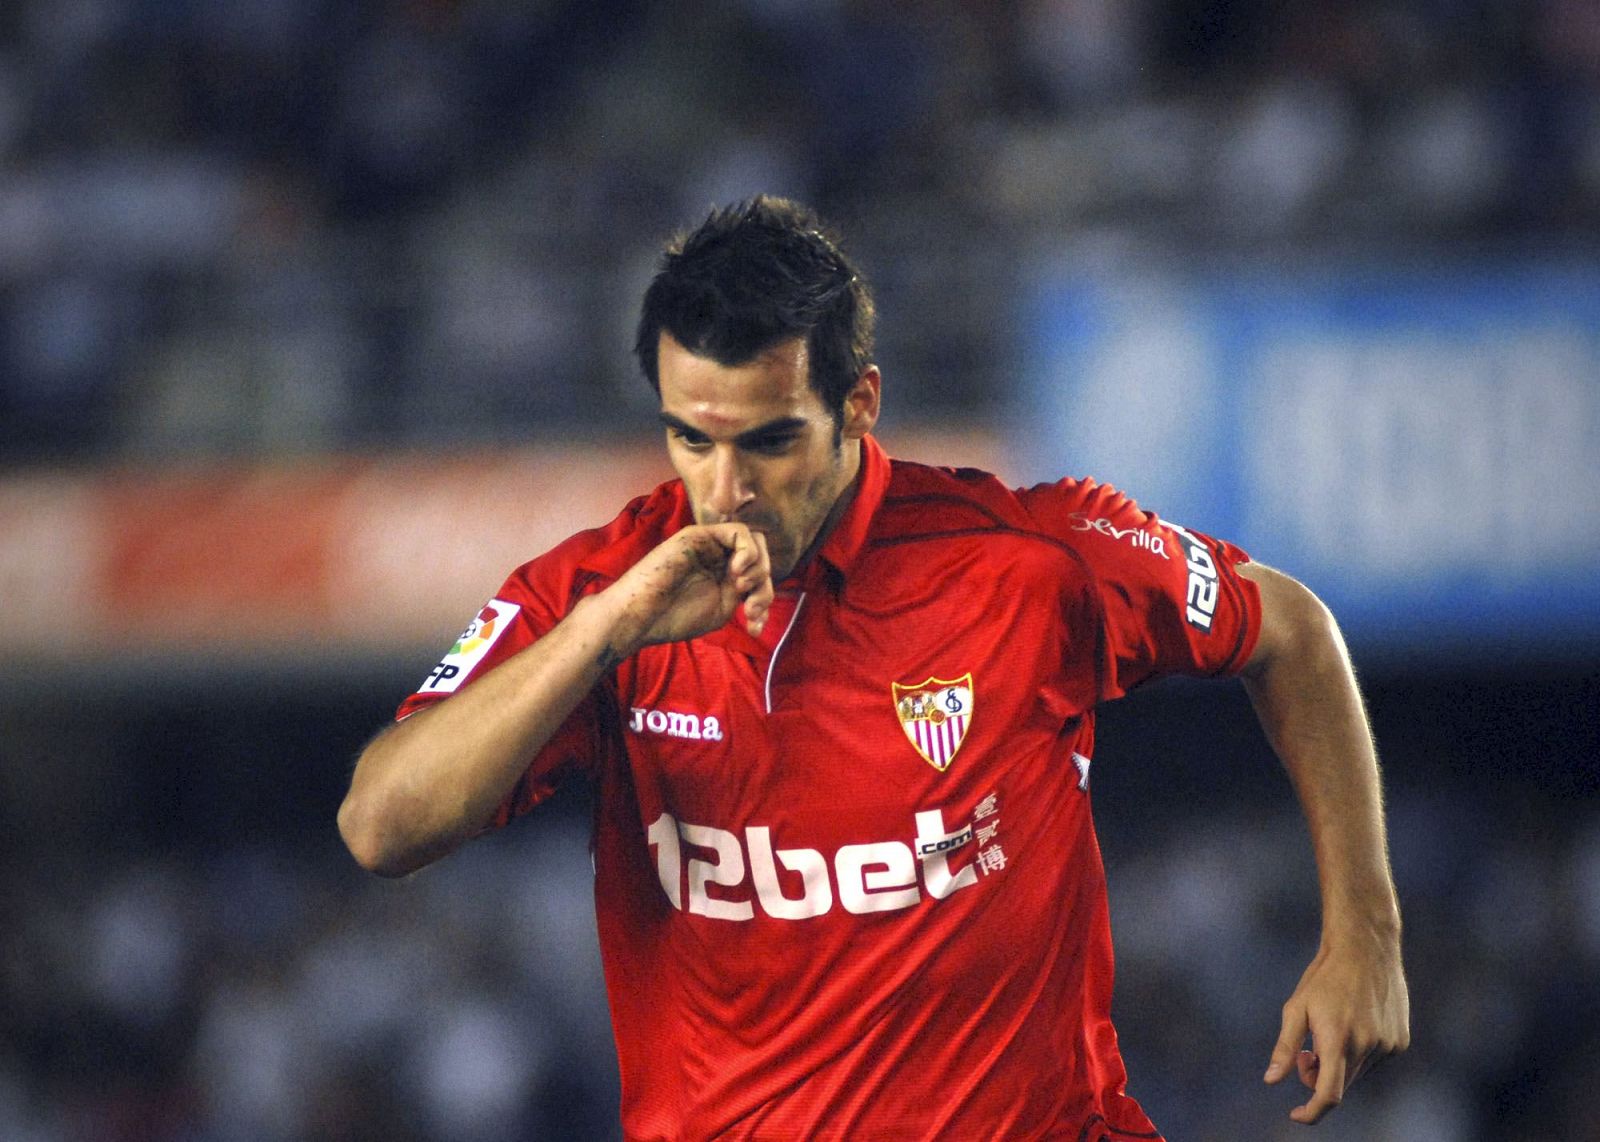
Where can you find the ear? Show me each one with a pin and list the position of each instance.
(861, 404)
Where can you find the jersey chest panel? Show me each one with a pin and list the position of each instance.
(922, 705)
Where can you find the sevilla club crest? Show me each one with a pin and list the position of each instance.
(935, 715)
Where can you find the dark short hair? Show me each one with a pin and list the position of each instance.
(751, 276)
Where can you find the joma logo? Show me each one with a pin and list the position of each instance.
(675, 724)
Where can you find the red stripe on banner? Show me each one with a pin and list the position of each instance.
(367, 553)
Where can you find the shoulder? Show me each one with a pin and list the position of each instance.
(952, 520)
(1076, 507)
(1082, 535)
(921, 497)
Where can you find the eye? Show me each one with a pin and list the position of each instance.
(693, 441)
(772, 445)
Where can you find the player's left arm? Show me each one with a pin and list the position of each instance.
(1352, 1000)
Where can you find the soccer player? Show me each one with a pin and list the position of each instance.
(839, 713)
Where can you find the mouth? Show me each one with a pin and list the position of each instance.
(764, 524)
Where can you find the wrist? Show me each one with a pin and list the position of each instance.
(1367, 923)
(614, 633)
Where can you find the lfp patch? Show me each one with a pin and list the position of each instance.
(935, 715)
(481, 633)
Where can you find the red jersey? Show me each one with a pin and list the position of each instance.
(846, 878)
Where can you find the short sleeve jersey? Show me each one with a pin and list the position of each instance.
(847, 882)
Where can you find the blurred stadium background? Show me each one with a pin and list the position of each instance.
(314, 321)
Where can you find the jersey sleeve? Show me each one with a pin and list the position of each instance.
(1170, 600)
(519, 615)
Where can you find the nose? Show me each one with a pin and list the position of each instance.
(730, 484)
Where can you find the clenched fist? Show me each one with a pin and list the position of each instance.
(692, 583)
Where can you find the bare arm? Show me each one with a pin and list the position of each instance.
(427, 784)
(1352, 1000)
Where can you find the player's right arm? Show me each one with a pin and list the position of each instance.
(428, 783)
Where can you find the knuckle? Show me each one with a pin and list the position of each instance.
(1318, 1107)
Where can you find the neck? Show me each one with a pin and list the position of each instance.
(850, 480)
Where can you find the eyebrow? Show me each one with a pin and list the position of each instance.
(784, 425)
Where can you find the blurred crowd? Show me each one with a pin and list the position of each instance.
(284, 225)
(188, 955)
(268, 996)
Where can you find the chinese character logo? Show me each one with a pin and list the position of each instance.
(935, 715)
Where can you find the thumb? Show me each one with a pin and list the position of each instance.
(1290, 1038)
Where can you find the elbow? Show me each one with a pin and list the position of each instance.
(374, 843)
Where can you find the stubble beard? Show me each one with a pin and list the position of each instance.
(788, 541)
(817, 506)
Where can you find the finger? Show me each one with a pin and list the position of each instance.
(760, 540)
(1290, 1039)
(1330, 1073)
(1358, 1068)
(1309, 1066)
(746, 555)
(759, 601)
(744, 561)
(1369, 1063)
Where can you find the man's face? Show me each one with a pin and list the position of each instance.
(754, 443)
